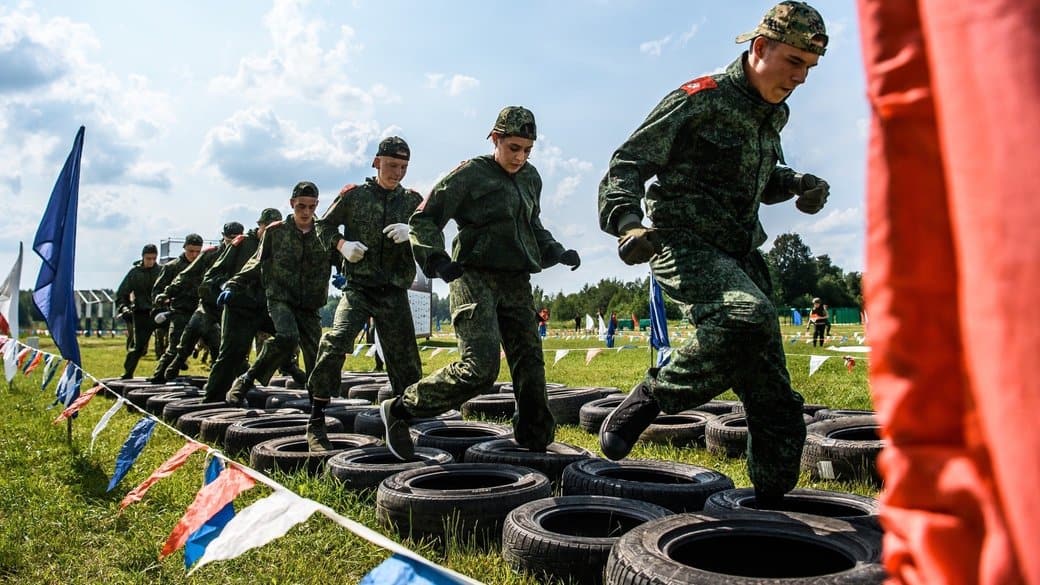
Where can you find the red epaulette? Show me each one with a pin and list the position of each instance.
(346, 189)
(701, 83)
(209, 249)
(274, 224)
(238, 239)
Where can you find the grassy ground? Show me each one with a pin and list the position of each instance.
(58, 525)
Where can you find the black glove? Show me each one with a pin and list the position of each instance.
(637, 244)
(224, 296)
(126, 315)
(571, 258)
(161, 299)
(448, 270)
(812, 193)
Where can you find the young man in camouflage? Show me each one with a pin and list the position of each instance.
(494, 200)
(134, 298)
(714, 146)
(293, 269)
(204, 322)
(379, 269)
(240, 317)
(173, 310)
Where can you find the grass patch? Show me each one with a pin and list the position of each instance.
(57, 523)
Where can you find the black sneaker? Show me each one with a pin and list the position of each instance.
(398, 438)
(621, 429)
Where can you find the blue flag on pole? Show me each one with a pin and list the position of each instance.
(200, 539)
(796, 316)
(658, 324)
(55, 244)
(131, 449)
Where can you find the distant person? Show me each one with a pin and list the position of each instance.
(174, 311)
(543, 322)
(818, 321)
(577, 323)
(134, 301)
(611, 329)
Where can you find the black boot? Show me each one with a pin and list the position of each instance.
(317, 436)
(236, 396)
(621, 429)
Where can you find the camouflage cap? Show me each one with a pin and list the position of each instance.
(395, 147)
(232, 228)
(516, 121)
(305, 189)
(268, 215)
(192, 240)
(793, 23)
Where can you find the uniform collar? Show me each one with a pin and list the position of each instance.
(372, 182)
(736, 73)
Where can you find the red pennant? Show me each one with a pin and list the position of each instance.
(210, 499)
(78, 404)
(165, 470)
(36, 361)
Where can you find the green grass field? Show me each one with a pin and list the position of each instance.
(58, 525)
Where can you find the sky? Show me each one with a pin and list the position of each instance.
(199, 113)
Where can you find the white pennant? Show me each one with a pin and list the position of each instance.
(358, 348)
(101, 424)
(560, 354)
(453, 350)
(376, 348)
(257, 525)
(437, 351)
(591, 353)
(10, 360)
(815, 362)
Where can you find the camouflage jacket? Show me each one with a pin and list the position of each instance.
(291, 266)
(183, 290)
(498, 217)
(138, 283)
(231, 260)
(714, 145)
(364, 211)
(169, 271)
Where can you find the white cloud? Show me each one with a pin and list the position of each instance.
(562, 175)
(686, 36)
(837, 220)
(454, 86)
(653, 48)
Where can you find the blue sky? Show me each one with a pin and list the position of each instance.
(198, 113)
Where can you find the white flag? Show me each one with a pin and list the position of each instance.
(591, 353)
(9, 301)
(602, 329)
(101, 424)
(376, 348)
(257, 525)
(815, 362)
(589, 323)
(560, 354)
(10, 359)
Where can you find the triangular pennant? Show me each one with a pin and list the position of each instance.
(197, 542)
(401, 570)
(815, 361)
(164, 470)
(34, 363)
(29, 360)
(591, 353)
(10, 360)
(560, 354)
(211, 498)
(78, 404)
(437, 351)
(358, 348)
(456, 350)
(131, 449)
(259, 524)
(49, 370)
(101, 424)
(22, 355)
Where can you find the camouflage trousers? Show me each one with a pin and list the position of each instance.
(178, 321)
(393, 315)
(202, 325)
(491, 309)
(294, 327)
(736, 344)
(238, 326)
(162, 337)
(142, 327)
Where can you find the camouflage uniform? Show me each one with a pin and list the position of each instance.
(292, 267)
(138, 283)
(186, 324)
(500, 243)
(377, 285)
(714, 146)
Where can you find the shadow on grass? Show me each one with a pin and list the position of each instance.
(86, 478)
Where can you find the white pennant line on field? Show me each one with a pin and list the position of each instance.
(815, 362)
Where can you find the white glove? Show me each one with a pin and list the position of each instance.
(398, 232)
(352, 251)
(161, 318)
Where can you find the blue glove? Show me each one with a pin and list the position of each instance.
(224, 297)
(339, 281)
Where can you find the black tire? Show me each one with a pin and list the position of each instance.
(727, 435)
(369, 392)
(455, 436)
(349, 381)
(719, 407)
(463, 500)
(213, 428)
(851, 508)
(175, 410)
(591, 414)
(304, 404)
(241, 436)
(198, 382)
(289, 454)
(119, 385)
(256, 397)
(677, 486)
(565, 404)
(698, 549)
(385, 391)
(191, 423)
(366, 467)
(844, 448)
(556, 457)
(569, 537)
(682, 429)
(833, 413)
(279, 381)
(497, 406)
(139, 395)
(347, 414)
(282, 399)
(370, 422)
(808, 409)
(157, 402)
(507, 387)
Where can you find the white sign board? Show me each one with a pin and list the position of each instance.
(420, 297)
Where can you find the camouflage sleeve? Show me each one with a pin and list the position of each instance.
(780, 187)
(166, 275)
(548, 247)
(214, 278)
(645, 152)
(327, 227)
(189, 277)
(249, 274)
(123, 292)
(428, 221)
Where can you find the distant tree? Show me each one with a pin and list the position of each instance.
(854, 285)
(795, 266)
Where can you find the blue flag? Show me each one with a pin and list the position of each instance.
(401, 570)
(200, 539)
(796, 316)
(658, 324)
(55, 244)
(131, 449)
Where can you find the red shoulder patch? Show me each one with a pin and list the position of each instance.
(238, 239)
(274, 224)
(347, 188)
(701, 83)
(210, 249)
